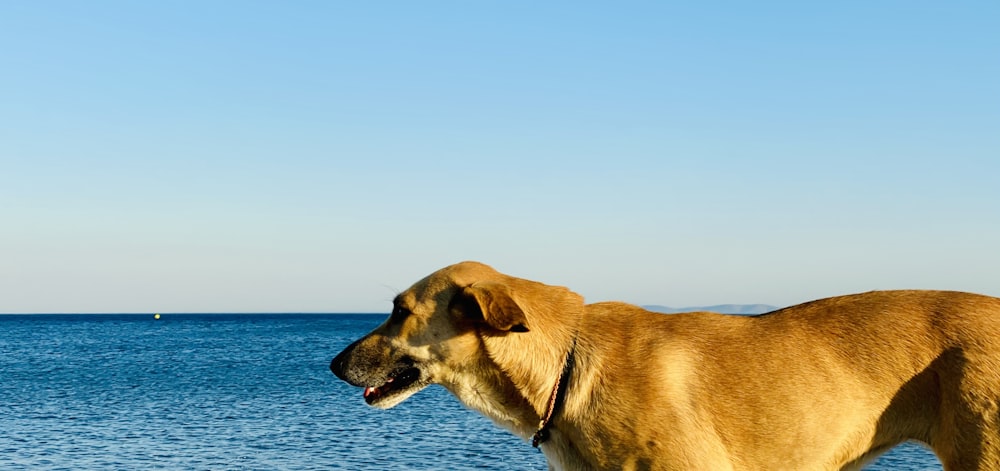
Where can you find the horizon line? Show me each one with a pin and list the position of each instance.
(150, 313)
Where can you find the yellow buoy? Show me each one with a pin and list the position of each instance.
(156, 316)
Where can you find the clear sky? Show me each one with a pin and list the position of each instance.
(193, 156)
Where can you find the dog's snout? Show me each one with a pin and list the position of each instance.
(359, 361)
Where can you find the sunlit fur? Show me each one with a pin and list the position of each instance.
(826, 385)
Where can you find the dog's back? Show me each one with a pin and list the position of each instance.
(828, 383)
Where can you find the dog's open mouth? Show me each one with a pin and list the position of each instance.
(399, 380)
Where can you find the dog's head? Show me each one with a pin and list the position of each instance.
(440, 328)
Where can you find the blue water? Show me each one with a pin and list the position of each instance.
(217, 392)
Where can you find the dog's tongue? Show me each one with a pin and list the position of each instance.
(369, 390)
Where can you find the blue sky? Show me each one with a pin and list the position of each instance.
(320, 156)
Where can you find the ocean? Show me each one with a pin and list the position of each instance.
(232, 392)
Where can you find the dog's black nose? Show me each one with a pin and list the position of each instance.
(337, 365)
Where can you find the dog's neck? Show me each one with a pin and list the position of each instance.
(559, 401)
(483, 386)
(513, 382)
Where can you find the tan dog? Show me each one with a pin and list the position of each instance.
(826, 385)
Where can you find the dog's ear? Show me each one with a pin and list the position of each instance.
(491, 303)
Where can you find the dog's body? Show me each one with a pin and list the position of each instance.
(826, 385)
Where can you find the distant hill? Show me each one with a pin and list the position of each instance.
(743, 309)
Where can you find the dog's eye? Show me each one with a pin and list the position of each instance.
(399, 313)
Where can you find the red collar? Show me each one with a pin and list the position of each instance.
(557, 398)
